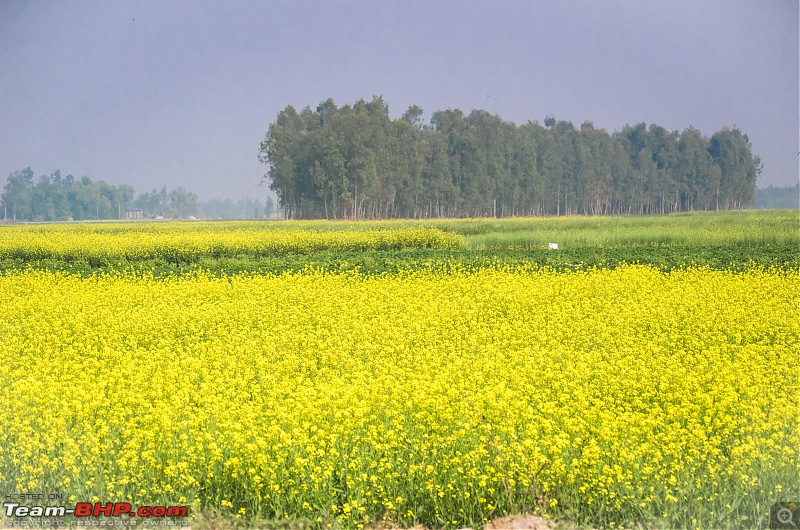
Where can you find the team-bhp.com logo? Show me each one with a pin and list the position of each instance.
(87, 509)
(92, 514)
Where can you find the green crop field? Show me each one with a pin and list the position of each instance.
(725, 240)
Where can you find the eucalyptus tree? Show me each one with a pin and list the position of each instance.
(739, 169)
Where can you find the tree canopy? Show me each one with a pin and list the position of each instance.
(356, 162)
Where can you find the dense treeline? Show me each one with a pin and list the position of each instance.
(59, 198)
(778, 198)
(356, 162)
(244, 208)
(55, 197)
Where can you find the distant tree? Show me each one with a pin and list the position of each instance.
(269, 206)
(85, 199)
(17, 195)
(121, 196)
(43, 199)
(150, 202)
(181, 203)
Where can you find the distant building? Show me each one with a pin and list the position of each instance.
(134, 213)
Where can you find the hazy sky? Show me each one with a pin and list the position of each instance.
(175, 93)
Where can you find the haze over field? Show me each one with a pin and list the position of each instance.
(181, 93)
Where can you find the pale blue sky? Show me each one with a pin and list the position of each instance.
(180, 93)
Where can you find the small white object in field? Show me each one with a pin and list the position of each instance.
(552, 246)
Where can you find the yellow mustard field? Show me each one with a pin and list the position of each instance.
(190, 241)
(609, 397)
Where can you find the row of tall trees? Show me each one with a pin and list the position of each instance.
(59, 198)
(356, 162)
